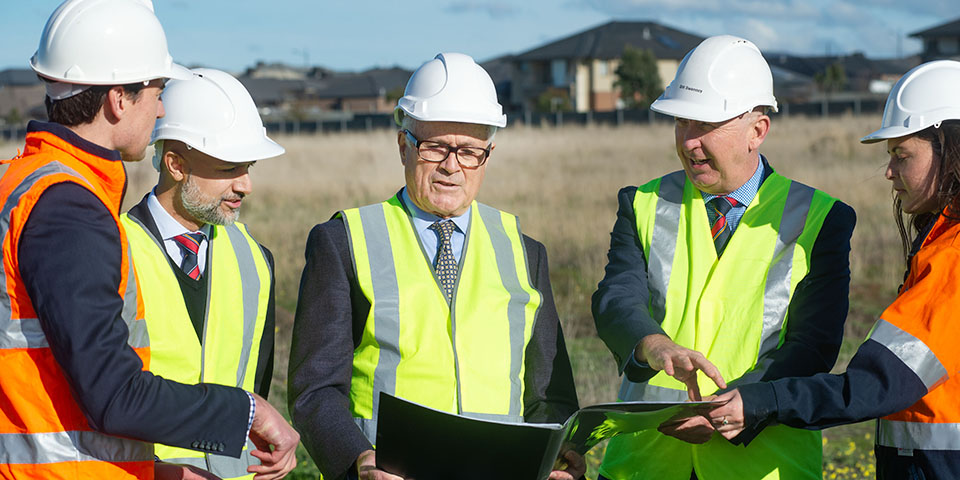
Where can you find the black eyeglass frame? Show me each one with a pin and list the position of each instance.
(450, 149)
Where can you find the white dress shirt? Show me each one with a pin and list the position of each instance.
(169, 227)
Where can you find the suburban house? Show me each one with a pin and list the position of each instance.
(322, 94)
(578, 72)
(801, 78)
(941, 42)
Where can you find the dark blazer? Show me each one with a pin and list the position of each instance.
(264, 374)
(331, 314)
(70, 263)
(816, 313)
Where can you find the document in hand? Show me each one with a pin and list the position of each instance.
(422, 443)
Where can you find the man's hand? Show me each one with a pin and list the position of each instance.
(727, 418)
(576, 467)
(269, 429)
(695, 429)
(681, 363)
(367, 468)
(173, 471)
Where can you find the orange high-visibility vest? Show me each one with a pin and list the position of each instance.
(921, 329)
(43, 432)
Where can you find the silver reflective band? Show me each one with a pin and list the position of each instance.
(386, 307)
(776, 293)
(250, 286)
(368, 426)
(72, 446)
(663, 241)
(516, 308)
(21, 333)
(911, 351)
(495, 417)
(919, 436)
(632, 392)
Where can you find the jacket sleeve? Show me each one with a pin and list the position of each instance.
(818, 308)
(550, 395)
(876, 383)
(70, 256)
(621, 303)
(330, 316)
(264, 375)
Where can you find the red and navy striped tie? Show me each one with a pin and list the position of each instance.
(189, 244)
(721, 230)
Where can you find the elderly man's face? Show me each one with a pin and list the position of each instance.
(720, 157)
(444, 189)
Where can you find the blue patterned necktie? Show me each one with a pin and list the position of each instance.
(721, 230)
(445, 265)
(189, 244)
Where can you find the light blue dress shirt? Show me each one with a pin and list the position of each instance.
(744, 195)
(170, 227)
(428, 238)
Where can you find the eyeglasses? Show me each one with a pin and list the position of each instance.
(467, 157)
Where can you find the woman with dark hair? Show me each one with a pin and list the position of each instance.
(906, 372)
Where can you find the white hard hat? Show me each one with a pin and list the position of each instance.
(925, 96)
(213, 113)
(451, 88)
(725, 76)
(104, 42)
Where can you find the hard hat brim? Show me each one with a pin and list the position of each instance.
(690, 111)
(886, 133)
(263, 150)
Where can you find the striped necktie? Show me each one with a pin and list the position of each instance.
(445, 264)
(189, 244)
(720, 230)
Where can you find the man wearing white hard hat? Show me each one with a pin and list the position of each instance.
(429, 295)
(722, 272)
(207, 285)
(74, 346)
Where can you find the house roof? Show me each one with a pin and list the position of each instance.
(370, 83)
(855, 64)
(951, 28)
(607, 41)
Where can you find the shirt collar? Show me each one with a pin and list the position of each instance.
(745, 193)
(422, 220)
(168, 226)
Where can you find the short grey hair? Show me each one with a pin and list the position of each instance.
(409, 123)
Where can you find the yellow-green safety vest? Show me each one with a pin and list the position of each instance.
(466, 358)
(732, 309)
(238, 283)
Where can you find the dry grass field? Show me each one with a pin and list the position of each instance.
(562, 182)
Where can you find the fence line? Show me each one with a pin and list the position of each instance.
(369, 122)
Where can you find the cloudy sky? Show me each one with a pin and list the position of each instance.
(358, 34)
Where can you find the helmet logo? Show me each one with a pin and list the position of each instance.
(688, 87)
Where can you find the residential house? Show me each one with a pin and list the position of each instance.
(941, 42)
(578, 72)
(800, 78)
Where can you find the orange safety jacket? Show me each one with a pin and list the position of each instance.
(921, 329)
(43, 432)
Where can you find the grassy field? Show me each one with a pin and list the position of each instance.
(563, 184)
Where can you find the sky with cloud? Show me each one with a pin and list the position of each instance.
(359, 34)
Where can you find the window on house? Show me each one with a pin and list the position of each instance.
(558, 72)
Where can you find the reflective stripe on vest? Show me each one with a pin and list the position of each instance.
(497, 311)
(911, 351)
(230, 351)
(39, 453)
(918, 436)
(692, 293)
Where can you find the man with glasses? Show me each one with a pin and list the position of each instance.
(429, 296)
